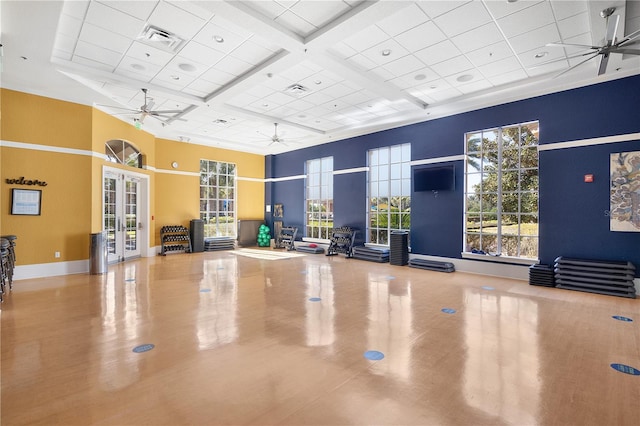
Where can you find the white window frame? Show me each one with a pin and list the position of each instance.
(319, 192)
(393, 178)
(474, 180)
(213, 208)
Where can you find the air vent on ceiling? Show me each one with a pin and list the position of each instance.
(220, 121)
(296, 90)
(160, 38)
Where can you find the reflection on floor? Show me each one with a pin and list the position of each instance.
(222, 338)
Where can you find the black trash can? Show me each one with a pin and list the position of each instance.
(196, 233)
(399, 248)
(98, 256)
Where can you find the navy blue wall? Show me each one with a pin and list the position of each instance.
(573, 214)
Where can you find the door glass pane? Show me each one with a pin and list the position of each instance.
(110, 213)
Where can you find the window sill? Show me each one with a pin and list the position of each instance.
(500, 259)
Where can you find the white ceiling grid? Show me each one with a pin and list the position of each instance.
(362, 65)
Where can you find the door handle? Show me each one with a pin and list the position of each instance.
(139, 225)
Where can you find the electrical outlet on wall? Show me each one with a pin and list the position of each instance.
(57, 254)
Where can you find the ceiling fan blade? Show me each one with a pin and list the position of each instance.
(583, 46)
(579, 55)
(612, 29)
(115, 107)
(166, 111)
(629, 38)
(603, 63)
(576, 65)
(627, 51)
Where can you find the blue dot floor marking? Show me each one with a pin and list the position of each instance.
(448, 311)
(626, 369)
(129, 280)
(621, 318)
(303, 272)
(374, 355)
(390, 277)
(205, 290)
(143, 348)
(488, 287)
(314, 299)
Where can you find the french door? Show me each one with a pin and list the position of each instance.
(122, 218)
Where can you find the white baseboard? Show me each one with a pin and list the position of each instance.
(517, 272)
(43, 270)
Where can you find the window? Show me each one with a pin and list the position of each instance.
(501, 191)
(218, 198)
(122, 152)
(319, 198)
(389, 197)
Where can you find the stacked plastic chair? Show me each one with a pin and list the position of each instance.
(7, 263)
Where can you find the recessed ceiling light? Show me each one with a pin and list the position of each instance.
(464, 78)
(175, 77)
(420, 77)
(24, 58)
(187, 67)
(541, 55)
(433, 86)
(511, 1)
(265, 105)
(318, 82)
(386, 52)
(137, 67)
(218, 39)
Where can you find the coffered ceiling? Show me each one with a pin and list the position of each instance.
(221, 73)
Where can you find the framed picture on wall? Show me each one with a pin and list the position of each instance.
(278, 210)
(26, 201)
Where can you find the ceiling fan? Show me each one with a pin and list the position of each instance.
(611, 45)
(275, 138)
(147, 110)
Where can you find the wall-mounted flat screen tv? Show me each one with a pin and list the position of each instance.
(434, 178)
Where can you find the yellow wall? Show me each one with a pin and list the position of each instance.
(72, 199)
(64, 224)
(177, 195)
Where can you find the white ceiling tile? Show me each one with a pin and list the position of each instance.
(529, 59)
(311, 82)
(452, 66)
(65, 43)
(338, 90)
(261, 91)
(301, 104)
(366, 38)
(65, 55)
(535, 39)
(438, 52)
(564, 9)
(233, 66)
(176, 20)
(203, 87)
(293, 22)
(243, 99)
(464, 18)
(383, 73)
(270, 9)
(443, 95)
(363, 62)
(508, 77)
(405, 65)
(343, 50)
(422, 36)
(236, 28)
(92, 63)
(280, 98)
(149, 54)
(106, 39)
(407, 18)
(434, 9)
(478, 38)
(137, 9)
(69, 26)
(76, 9)
(197, 53)
(217, 76)
(207, 36)
(276, 82)
(375, 53)
(317, 98)
(262, 106)
(500, 9)
(549, 68)
(319, 13)
(470, 75)
(574, 25)
(527, 19)
(474, 86)
(500, 67)
(169, 78)
(192, 7)
(297, 73)
(491, 53)
(97, 54)
(104, 16)
(132, 65)
(251, 52)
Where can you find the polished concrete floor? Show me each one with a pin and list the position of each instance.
(238, 339)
